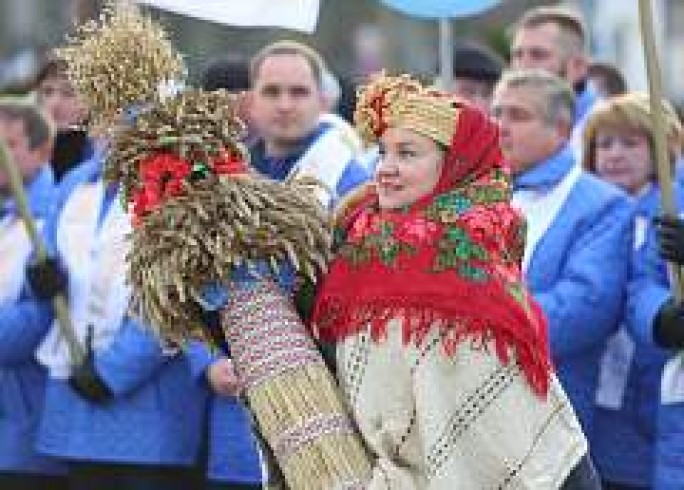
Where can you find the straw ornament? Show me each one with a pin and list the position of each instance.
(199, 215)
(402, 101)
(120, 61)
(199, 212)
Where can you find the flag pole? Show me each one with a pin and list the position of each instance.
(663, 167)
(446, 57)
(59, 302)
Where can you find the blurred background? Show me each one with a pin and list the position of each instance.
(355, 36)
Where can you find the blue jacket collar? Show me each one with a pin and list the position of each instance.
(548, 173)
(274, 167)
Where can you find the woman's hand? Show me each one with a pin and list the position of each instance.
(222, 378)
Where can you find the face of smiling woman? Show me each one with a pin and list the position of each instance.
(410, 166)
(623, 157)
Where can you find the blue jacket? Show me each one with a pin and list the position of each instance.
(231, 446)
(156, 413)
(648, 290)
(578, 273)
(624, 441)
(155, 416)
(22, 380)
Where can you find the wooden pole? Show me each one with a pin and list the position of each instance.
(59, 303)
(664, 170)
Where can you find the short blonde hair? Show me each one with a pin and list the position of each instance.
(573, 30)
(631, 111)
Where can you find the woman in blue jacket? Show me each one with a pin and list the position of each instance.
(619, 148)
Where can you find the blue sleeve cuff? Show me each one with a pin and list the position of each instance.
(132, 358)
(215, 296)
(200, 357)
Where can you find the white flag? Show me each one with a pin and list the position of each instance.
(301, 15)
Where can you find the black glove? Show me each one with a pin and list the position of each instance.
(47, 279)
(670, 234)
(212, 325)
(668, 328)
(84, 379)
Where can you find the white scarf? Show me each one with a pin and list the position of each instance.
(325, 160)
(617, 359)
(15, 250)
(540, 209)
(96, 262)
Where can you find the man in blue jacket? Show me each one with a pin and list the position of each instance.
(554, 39)
(28, 137)
(579, 229)
(286, 105)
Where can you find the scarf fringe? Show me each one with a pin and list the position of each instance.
(527, 346)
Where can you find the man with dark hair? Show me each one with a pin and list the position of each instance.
(230, 73)
(607, 79)
(27, 135)
(232, 458)
(286, 104)
(476, 71)
(554, 39)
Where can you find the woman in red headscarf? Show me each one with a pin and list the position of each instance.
(440, 350)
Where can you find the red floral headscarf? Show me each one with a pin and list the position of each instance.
(451, 261)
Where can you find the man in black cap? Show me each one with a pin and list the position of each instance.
(476, 71)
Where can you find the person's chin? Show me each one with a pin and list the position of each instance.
(291, 137)
(616, 178)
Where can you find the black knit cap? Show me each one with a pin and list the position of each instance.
(228, 72)
(477, 62)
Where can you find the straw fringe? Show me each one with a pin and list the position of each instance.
(297, 405)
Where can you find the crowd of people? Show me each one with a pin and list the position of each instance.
(517, 218)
